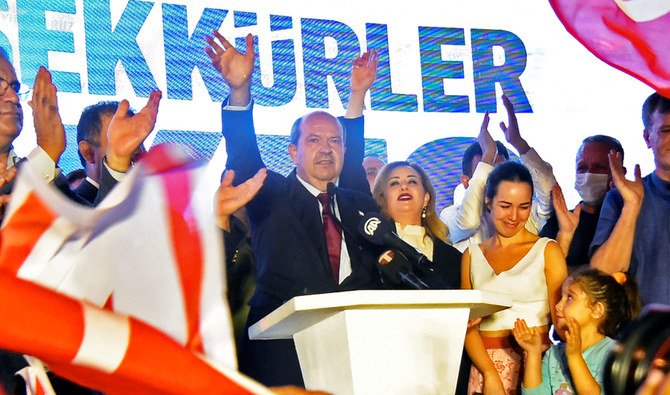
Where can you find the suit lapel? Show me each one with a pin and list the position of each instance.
(306, 208)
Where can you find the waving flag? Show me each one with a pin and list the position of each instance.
(102, 349)
(630, 35)
(151, 246)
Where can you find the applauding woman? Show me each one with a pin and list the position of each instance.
(516, 262)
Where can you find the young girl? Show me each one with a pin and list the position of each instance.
(594, 306)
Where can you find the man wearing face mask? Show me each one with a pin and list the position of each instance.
(574, 230)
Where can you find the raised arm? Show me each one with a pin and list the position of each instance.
(363, 72)
(50, 134)
(615, 253)
(583, 380)
(125, 134)
(469, 214)
(543, 175)
(237, 122)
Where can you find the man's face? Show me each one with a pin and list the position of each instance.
(11, 114)
(593, 174)
(319, 154)
(592, 158)
(372, 166)
(465, 180)
(657, 137)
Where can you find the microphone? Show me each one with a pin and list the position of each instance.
(380, 231)
(398, 270)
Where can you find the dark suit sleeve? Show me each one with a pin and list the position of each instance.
(353, 175)
(233, 239)
(244, 156)
(447, 260)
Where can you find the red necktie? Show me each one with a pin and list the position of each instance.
(333, 236)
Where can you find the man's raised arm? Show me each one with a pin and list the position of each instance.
(237, 123)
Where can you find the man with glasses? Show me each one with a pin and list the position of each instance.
(11, 119)
(49, 130)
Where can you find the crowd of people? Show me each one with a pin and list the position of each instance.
(512, 232)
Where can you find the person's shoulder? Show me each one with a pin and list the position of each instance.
(550, 245)
(603, 347)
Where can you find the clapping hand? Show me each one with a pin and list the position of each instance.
(49, 129)
(229, 198)
(632, 192)
(511, 129)
(528, 338)
(486, 142)
(567, 220)
(127, 132)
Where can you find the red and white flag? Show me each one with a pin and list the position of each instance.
(103, 350)
(630, 35)
(151, 247)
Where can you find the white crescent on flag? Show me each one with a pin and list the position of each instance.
(644, 10)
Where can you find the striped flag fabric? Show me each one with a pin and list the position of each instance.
(630, 35)
(150, 251)
(103, 350)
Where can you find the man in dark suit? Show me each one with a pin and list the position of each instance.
(288, 237)
(92, 144)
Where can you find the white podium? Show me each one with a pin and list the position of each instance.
(379, 342)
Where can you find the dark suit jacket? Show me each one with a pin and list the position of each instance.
(447, 260)
(289, 246)
(87, 191)
(59, 182)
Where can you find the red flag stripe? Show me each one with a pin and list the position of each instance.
(50, 326)
(22, 231)
(41, 325)
(187, 245)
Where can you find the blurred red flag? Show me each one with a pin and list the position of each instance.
(630, 35)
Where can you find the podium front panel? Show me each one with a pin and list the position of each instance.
(384, 351)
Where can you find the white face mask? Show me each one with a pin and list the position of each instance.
(592, 187)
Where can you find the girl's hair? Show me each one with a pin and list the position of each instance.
(620, 300)
(434, 227)
(507, 171)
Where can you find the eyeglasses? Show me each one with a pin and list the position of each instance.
(16, 87)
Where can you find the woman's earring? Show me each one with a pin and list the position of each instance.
(423, 212)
